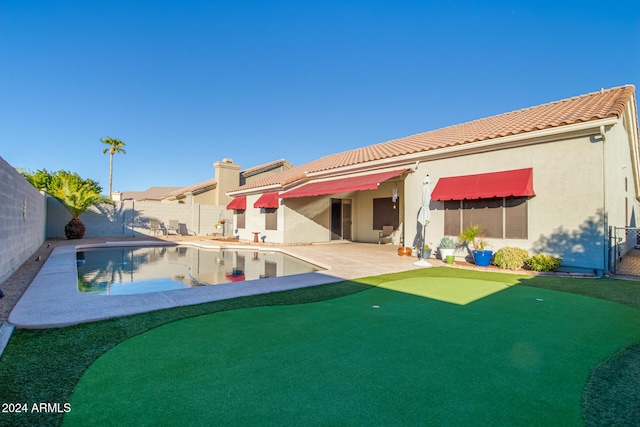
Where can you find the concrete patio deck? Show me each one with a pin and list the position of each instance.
(53, 299)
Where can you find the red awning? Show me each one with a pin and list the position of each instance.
(238, 204)
(342, 185)
(517, 182)
(267, 200)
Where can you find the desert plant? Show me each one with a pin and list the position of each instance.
(542, 262)
(76, 195)
(473, 234)
(42, 179)
(447, 243)
(511, 258)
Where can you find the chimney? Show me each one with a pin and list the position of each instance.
(227, 175)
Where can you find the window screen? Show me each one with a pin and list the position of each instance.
(270, 219)
(386, 212)
(240, 219)
(502, 218)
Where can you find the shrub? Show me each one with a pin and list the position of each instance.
(511, 258)
(447, 243)
(542, 262)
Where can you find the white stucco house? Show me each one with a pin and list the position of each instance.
(551, 178)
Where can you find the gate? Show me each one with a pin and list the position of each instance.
(624, 250)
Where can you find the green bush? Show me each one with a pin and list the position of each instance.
(542, 262)
(511, 258)
(447, 243)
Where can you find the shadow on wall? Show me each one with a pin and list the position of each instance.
(578, 248)
(127, 221)
(100, 221)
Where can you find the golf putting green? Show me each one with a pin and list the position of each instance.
(521, 356)
(453, 290)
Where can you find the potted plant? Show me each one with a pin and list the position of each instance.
(76, 195)
(474, 234)
(446, 247)
(426, 251)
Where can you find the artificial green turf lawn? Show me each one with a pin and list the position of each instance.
(519, 356)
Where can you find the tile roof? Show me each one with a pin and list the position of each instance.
(592, 106)
(254, 170)
(152, 193)
(195, 188)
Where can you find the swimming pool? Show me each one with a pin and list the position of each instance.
(139, 270)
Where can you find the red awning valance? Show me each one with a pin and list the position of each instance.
(238, 204)
(342, 185)
(267, 200)
(517, 182)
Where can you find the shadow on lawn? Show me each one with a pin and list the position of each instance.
(39, 365)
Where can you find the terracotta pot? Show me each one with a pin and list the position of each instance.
(404, 251)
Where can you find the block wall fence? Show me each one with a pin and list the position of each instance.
(22, 220)
(132, 219)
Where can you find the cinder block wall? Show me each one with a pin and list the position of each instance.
(22, 220)
(131, 218)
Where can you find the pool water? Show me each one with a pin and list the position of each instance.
(139, 270)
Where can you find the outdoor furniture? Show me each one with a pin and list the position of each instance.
(183, 230)
(157, 227)
(173, 227)
(385, 234)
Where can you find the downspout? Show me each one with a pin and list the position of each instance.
(605, 212)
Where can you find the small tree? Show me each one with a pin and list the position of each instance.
(76, 195)
(473, 234)
(114, 146)
(45, 180)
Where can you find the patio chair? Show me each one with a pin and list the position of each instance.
(386, 234)
(184, 231)
(157, 227)
(173, 228)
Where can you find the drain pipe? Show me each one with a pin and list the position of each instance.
(605, 212)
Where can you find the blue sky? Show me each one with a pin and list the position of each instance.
(187, 83)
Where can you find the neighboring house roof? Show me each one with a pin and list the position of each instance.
(194, 189)
(153, 193)
(255, 170)
(608, 103)
(211, 183)
(160, 193)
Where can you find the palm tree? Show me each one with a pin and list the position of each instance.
(77, 196)
(114, 146)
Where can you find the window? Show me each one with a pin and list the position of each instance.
(501, 218)
(240, 219)
(270, 219)
(386, 212)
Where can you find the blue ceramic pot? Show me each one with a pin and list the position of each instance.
(482, 258)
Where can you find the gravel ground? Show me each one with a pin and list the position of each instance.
(20, 280)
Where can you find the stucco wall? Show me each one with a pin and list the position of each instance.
(565, 217)
(363, 201)
(255, 221)
(22, 220)
(307, 219)
(620, 180)
(131, 218)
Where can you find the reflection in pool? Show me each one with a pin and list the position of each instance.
(138, 270)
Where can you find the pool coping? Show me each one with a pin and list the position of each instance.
(53, 299)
